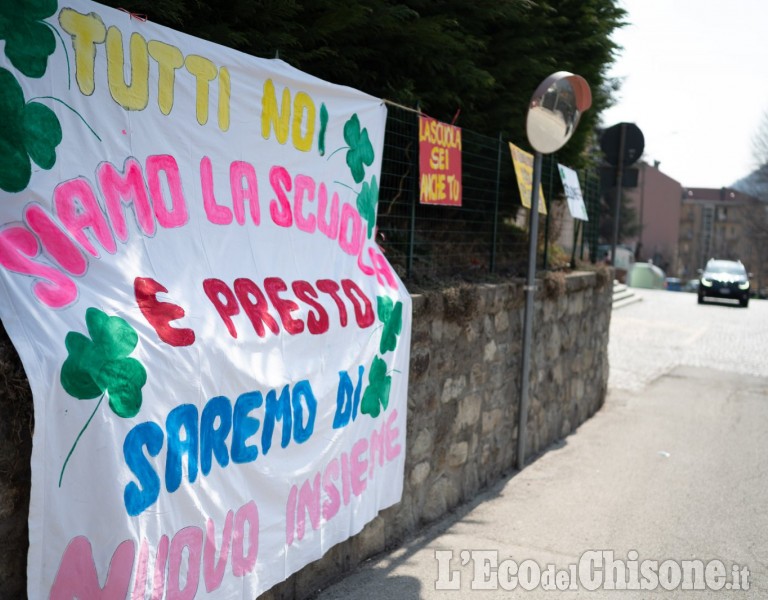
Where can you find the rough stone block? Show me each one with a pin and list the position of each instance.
(491, 420)
(472, 331)
(501, 321)
(458, 454)
(371, 540)
(478, 376)
(437, 330)
(316, 575)
(419, 364)
(489, 352)
(576, 303)
(553, 342)
(469, 411)
(419, 473)
(418, 305)
(452, 331)
(401, 519)
(577, 389)
(421, 446)
(549, 311)
(453, 388)
(436, 504)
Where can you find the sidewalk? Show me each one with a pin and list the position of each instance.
(677, 470)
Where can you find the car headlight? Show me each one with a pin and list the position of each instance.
(744, 285)
(706, 282)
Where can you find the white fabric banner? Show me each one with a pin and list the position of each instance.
(217, 348)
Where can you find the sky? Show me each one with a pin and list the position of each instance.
(695, 81)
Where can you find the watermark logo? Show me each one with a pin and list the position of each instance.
(595, 570)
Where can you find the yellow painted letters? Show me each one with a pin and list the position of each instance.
(302, 125)
(86, 31)
(168, 58)
(133, 96)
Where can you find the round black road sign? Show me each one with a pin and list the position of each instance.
(634, 144)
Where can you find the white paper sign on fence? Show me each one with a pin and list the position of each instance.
(217, 348)
(573, 192)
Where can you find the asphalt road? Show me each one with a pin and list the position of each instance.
(674, 468)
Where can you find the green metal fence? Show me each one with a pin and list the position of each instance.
(481, 236)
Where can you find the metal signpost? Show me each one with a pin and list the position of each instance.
(623, 145)
(553, 113)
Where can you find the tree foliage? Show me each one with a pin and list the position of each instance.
(760, 142)
(629, 223)
(479, 60)
(756, 183)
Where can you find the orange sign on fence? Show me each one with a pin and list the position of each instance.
(439, 163)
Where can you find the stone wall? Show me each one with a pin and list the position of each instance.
(462, 410)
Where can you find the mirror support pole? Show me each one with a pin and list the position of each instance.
(530, 296)
(571, 94)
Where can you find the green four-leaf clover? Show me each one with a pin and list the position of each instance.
(101, 365)
(376, 395)
(28, 40)
(30, 130)
(367, 200)
(360, 149)
(391, 314)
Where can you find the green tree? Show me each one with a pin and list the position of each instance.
(756, 183)
(480, 60)
(629, 225)
(755, 227)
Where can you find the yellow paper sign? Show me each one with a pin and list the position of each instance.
(523, 162)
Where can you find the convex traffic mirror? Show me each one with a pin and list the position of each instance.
(555, 109)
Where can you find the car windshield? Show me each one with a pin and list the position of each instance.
(725, 266)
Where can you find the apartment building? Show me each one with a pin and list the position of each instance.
(657, 201)
(719, 223)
